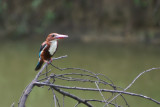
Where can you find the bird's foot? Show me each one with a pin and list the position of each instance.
(48, 62)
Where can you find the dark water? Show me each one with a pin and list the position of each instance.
(121, 63)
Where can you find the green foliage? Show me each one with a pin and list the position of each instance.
(120, 63)
(3, 6)
(68, 4)
(77, 15)
(141, 3)
(39, 30)
(137, 2)
(50, 15)
(36, 3)
(21, 29)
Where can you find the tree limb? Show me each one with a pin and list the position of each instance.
(80, 75)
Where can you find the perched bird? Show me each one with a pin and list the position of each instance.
(48, 48)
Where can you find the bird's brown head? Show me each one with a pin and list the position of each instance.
(55, 36)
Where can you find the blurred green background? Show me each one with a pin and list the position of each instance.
(117, 38)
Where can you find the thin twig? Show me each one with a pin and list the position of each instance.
(94, 100)
(132, 84)
(100, 91)
(72, 96)
(12, 104)
(77, 104)
(80, 75)
(94, 89)
(55, 98)
(45, 73)
(29, 88)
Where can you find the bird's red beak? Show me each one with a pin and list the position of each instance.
(60, 36)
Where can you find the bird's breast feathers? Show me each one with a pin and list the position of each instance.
(53, 47)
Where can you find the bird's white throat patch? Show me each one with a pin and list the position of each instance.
(53, 47)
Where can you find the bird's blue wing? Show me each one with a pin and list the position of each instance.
(41, 49)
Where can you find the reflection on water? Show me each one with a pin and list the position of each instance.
(119, 62)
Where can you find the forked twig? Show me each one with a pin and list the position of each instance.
(100, 82)
(132, 84)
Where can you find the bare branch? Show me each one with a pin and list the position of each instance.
(100, 91)
(29, 88)
(12, 104)
(82, 76)
(94, 89)
(55, 98)
(132, 84)
(72, 96)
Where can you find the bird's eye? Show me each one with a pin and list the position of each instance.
(53, 35)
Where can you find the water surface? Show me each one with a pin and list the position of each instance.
(121, 63)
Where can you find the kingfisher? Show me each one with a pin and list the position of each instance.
(48, 48)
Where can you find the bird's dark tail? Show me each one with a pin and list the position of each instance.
(39, 65)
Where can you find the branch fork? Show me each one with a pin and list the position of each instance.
(80, 76)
